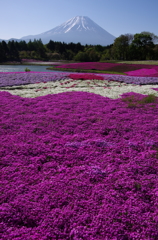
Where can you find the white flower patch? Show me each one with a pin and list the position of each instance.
(111, 89)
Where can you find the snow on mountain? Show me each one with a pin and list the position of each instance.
(78, 29)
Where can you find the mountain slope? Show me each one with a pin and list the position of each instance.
(78, 29)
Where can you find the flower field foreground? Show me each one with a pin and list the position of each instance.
(77, 165)
(63, 173)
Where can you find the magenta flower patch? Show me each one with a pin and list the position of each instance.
(114, 67)
(143, 72)
(89, 65)
(77, 165)
(85, 76)
(156, 89)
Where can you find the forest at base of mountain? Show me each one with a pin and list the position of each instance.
(140, 46)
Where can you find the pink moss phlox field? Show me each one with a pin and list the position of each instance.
(130, 79)
(85, 76)
(114, 77)
(89, 65)
(116, 67)
(21, 78)
(77, 165)
(143, 72)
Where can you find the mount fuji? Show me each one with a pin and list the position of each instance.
(78, 29)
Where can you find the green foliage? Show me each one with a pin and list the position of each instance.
(68, 55)
(137, 47)
(99, 48)
(13, 51)
(137, 186)
(2, 53)
(27, 70)
(82, 57)
(89, 56)
(55, 56)
(120, 48)
(155, 52)
(151, 98)
(94, 56)
(141, 46)
(133, 101)
(107, 56)
(141, 40)
(137, 62)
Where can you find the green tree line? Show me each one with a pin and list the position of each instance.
(141, 46)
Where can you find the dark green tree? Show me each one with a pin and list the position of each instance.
(99, 48)
(40, 49)
(120, 49)
(78, 47)
(23, 46)
(5, 49)
(2, 53)
(51, 45)
(153, 36)
(142, 45)
(82, 57)
(155, 52)
(13, 51)
(94, 56)
(31, 45)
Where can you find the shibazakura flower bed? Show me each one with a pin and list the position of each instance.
(115, 67)
(118, 78)
(85, 76)
(77, 165)
(144, 72)
(21, 78)
(111, 89)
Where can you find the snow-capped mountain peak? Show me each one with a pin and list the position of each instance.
(78, 23)
(77, 29)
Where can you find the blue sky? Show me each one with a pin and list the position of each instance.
(19, 18)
